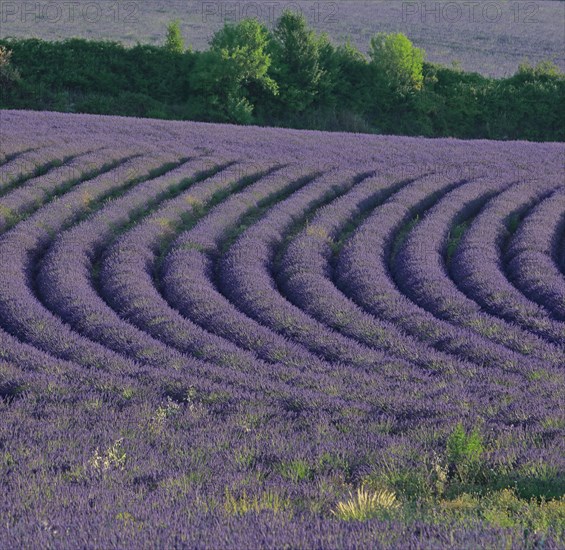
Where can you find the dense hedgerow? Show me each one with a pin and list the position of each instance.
(288, 76)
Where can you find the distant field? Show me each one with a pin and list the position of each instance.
(484, 36)
(212, 335)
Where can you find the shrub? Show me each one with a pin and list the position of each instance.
(464, 451)
(366, 505)
(397, 61)
(174, 42)
(9, 76)
(229, 75)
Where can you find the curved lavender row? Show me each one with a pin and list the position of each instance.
(57, 181)
(36, 162)
(420, 271)
(532, 253)
(89, 354)
(363, 273)
(126, 277)
(188, 273)
(21, 313)
(244, 276)
(477, 264)
(127, 285)
(306, 279)
(196, 265)
(65, 282)
(17, 155)
(29, 358)
(137, 299)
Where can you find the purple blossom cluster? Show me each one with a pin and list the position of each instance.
(212, 335)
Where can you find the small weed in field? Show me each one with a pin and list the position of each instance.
(366, 505)
(464, 452)
(113, 458)
(296, 470)
(163, 412)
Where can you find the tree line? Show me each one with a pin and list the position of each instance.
(286, 76)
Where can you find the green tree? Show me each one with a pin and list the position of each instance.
(174, 42)
(245, 46)
(296, 63)
(229, 76)
(396, 77)
(397, 62)
(352, 78)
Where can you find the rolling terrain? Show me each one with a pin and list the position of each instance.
(211, 334)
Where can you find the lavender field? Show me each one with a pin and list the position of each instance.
(237, 337)
(490, 37)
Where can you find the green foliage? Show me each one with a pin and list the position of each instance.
(351, 76)
(9, 76)
(288, 77)
(174, 42)
(397, 62)
(100, 77)
(245, 46)
(504, 508)
(464, 451)
(231, 72)
(396, 80)
(296, 470)
(296, 63)
(218, 94)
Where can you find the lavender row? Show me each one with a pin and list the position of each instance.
(188, 274)
(127, 268)
(64, 279)
(36, 191)
(139, 301)
(420, 271)
(21, 313)
(191, 257)
(478, 264)
(533, 253)
(37, 162)
(11, 149)
(306, 274)
(245, 277)
(363, 272)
